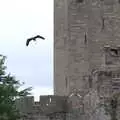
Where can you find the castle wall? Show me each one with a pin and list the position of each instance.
(48, 106)
(25, 104)
(78, 63)
(99, 36)
(87, 43)
(60, 46)
(86, 53)
(90, 25)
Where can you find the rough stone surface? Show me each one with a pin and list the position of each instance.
(48, 106)
(75, 54)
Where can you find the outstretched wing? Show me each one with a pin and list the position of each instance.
(38, 36)
(33, 38)
(28, 41)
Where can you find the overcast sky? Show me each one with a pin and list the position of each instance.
(19, 20)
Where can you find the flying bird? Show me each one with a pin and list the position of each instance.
(34, 39)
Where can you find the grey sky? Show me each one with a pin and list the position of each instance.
(19, 20)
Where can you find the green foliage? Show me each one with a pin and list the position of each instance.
(9, 92)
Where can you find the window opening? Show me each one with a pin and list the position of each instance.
(66, 81)
(103, 23)
(90, 81)
(50, 99)
(112, 55)
(79, 1)
(85, 38)
(114, 52)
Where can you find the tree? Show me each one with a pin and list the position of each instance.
(9, 92)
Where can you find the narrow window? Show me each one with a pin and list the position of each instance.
(85, 41)
(103, 23)
(79, 1)
(66, 81)
(50, 99)
(90, 82)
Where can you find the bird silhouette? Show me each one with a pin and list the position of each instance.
(34, 39)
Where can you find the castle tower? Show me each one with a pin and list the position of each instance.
(86, 32)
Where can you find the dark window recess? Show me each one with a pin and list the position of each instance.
(90, 81)
(66, 81)
(79, 1)
(103, 23)
(85, 41)
(112, 55)
(114, 52)
(119, 1)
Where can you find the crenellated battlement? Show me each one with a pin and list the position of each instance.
(47, 104)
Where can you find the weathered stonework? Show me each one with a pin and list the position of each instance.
(86, 27)
(48, 107)
(86, 57)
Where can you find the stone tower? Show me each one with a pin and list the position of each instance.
(86, 38)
